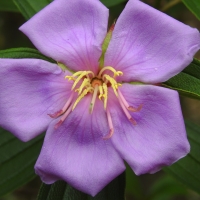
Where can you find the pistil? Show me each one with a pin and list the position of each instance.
(94, 96)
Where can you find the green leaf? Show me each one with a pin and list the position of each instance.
(8, 5)
(23, 53)
(187, 170)
(133, 184)
(193, 6)
(110, 3)
(187, 82)
(51, 192)
(165, 188)
(17, 161)
(62, 191)
(28, 8)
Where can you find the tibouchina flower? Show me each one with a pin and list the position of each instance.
(97, 117)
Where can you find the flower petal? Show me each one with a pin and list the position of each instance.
(149, 46)
(71, 32)
(29, 90)
(75, 151)
(159, 138)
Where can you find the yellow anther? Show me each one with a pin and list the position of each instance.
(90, 72)
(78, 79)
(80, 75)
(119, 73)
(101, 92)
(105, 95)
(70, 78)
(117, 85)
(116, 73)
(89, 89)
(74, 75)
(112, 82)
(85, 83)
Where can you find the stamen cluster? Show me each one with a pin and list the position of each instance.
(94, 84)
(86, 82)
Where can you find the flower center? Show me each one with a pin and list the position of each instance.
(86, 82)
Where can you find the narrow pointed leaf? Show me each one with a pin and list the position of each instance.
(187, 82)
(17, 161)
(23, 53)
(193, 6)
(28, 8)
(166, 187)
(54, 191)
(8, 5)
(62, 191)
(187, 170)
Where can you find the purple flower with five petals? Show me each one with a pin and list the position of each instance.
(97, 117)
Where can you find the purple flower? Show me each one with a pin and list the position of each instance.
(98, 117)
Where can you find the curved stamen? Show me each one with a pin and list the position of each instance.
(80, 75)
(127, 113)
(68, 102)
(100, 92)
(130, 108)
(63, 117)
(105, 95)
(116, 73)
(90, 72)
(60, 112)
(56, 114)
(112, 82)
(73, 76)
(110, 124)
(89, 89)
(85, 83)
(78, 79)
(70, 78)
(123, 99)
